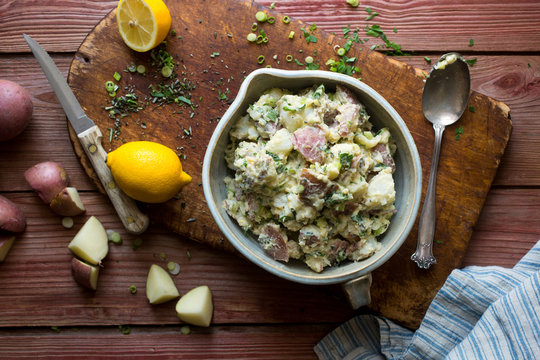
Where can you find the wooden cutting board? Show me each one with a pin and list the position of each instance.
(212, 54)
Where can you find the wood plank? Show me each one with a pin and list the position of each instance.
(37, 274)
(292, 342)
(506, 229)
(508, 26)
(506, 78)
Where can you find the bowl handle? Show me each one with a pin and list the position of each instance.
(357, 291)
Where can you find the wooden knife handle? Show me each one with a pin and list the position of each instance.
(133, 219)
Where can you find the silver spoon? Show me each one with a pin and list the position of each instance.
(445, 97)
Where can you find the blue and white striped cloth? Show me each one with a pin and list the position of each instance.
(479, 313)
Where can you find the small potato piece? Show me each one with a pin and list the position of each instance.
(6, 241)
(11, 216)
(90, 244)
(196, 307)
(15, 109)
(67, 203)
(85, 274)
(160, 287)
(47, 179)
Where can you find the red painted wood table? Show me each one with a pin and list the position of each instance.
(44, 313)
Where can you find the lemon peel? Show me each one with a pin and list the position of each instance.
(147, 171)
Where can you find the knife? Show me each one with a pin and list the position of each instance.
(90, 137)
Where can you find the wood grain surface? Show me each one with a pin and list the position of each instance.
(252, 314)
(214, 56)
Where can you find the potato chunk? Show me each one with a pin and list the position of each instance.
(91, 243)
(196, 307)
(160, 287)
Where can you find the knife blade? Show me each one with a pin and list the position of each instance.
(89, 136)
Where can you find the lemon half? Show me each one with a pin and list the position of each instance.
(143, 24)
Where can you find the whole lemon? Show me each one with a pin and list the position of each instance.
(147, 171)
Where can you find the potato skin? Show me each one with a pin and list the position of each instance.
(11, 216)
(15, 109)
(47, 179)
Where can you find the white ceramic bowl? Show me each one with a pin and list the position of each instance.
(407, 177)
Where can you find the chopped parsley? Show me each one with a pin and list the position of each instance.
(471, 62)
(308, 35)
(459, 131)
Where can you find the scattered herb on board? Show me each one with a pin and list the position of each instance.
(353, 3)
(178, 92)
(376, 32)
(471, 109)
(124, 329)
(428, 60)
(459, 132)
(133, 289)
(471, 42)
(308, 34)
(56, 329)
(471, 62)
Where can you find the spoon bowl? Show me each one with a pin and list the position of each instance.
(444, 99)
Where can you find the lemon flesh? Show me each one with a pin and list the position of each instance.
(147, 171)
(143, 24)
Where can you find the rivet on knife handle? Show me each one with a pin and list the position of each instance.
(133, 219)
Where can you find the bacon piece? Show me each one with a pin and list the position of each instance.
(273, 240)
(309, 141)
(387, 159)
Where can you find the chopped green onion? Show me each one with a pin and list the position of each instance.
(471, 109)
(261, 16)
(133, 289)
(117, 76)
(272, 5)
(428, 60)
(260, 39)
(185, 330)
(67, 222)
(251, 37)
(141, 69)
(174, 268)
(341, 51)
(132, 68)
(109, 86)
(291, 34)
(166, 71)
(289, 58)
(471, 42)
(271, 19)
(260, 59)
(115, 237)
(286, 19)
(308, 59)
(254, 27)
(136, 243)
(353, 3)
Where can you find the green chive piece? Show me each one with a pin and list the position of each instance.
(115, 238)
(141, 69)
(254, 27)
(308, 59)
(117, 76)
(286, 19)
(341, 51)
(260, 59)
(291, 35)
(471, 109)
(251, 37)
(471, 42)
(428, 60)
(109, 86)
(185, 330)
(289, 58)
(271, 20)
(166, 71)
(133, 289)
(261, 16)
(353, 3)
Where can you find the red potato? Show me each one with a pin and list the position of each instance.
(11, 216)
(85, 274)
(15, 109)
(48, 179)
(67, 203)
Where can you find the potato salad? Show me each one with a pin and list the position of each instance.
(311, 177)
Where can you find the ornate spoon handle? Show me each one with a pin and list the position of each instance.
(426, 226)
